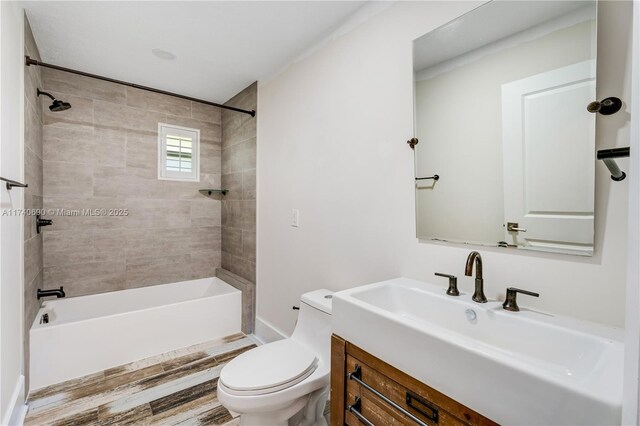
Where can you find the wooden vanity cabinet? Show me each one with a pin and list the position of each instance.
(382, 395)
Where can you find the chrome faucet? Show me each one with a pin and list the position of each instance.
(478, 294)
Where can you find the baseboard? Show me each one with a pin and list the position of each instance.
(16, 410)
(267, 332)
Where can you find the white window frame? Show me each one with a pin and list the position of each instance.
(194, 134)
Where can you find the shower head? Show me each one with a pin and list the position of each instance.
(56, 105)
(59, 106)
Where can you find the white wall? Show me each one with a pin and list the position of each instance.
(11, 228)
(631, 389)
(332, 131)
(459, 125)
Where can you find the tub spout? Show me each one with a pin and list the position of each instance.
(58, 292)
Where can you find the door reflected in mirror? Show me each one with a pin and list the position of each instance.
(501, 119)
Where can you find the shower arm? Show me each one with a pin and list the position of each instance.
(29, 61)
(40, 92)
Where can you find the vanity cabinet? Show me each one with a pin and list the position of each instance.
(367, 391)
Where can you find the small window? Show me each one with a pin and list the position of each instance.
(178, 153)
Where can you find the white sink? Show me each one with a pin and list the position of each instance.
(525, 367)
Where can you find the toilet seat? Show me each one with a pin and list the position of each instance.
(268, 368)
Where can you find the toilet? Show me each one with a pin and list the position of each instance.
(284, 382)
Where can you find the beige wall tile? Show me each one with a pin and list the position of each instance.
(157, 270)
(239, 266)
(144, 243)
(72, 204)
(32, 173)
(238, 128)
(232, 241)
(123, 117)
(248, 221)
(86, 278)
(32, 304)
(249, 245)
(109, 148)
(133, 182)
(108, 244)
(206, 113)
(31, 202)
(64, 143)
(233, 183)
(32, 258)
(32, 82)
(238, 168)
(86, 87)
(32, 129)
(204, 263)
(231, 214)
(211, 132)
(158, 214)
(67, 178)
(142, 150)
(249, 184)
(206, 239)
(210, 157)
(68, 246)
(206, 212)
(150, 101)
(80, 114)
(239, 157)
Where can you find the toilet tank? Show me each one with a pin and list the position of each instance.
(313, 328)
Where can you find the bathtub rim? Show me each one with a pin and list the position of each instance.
(37, 327)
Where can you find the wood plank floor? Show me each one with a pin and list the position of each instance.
(176, 388)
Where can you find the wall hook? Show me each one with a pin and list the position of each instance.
(413, 142)
(607, 106)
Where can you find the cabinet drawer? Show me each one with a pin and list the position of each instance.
(380, 412)
(386, 396)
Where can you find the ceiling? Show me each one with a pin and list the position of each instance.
(487, 24)
(220, 47)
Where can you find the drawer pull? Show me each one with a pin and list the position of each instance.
(356, 409)
(356, 377)
(425, 408)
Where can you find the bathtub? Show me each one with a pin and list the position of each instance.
(89, 334)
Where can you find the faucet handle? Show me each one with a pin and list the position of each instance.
(453, 284)
(510, 303)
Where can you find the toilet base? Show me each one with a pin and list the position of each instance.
(305, 411)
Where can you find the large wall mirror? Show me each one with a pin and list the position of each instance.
(501, 119)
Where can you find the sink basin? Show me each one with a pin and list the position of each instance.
(525, 367)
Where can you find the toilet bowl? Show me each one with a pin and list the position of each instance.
(284, 382)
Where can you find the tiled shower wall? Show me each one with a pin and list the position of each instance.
(33, 193)
(239, 177)
(102, 154)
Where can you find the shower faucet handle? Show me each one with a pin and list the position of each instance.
(453, 284)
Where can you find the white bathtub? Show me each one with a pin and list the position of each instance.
(88, 334)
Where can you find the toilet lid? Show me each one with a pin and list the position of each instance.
(269, 368)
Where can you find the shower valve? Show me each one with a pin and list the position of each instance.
(42, 222)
